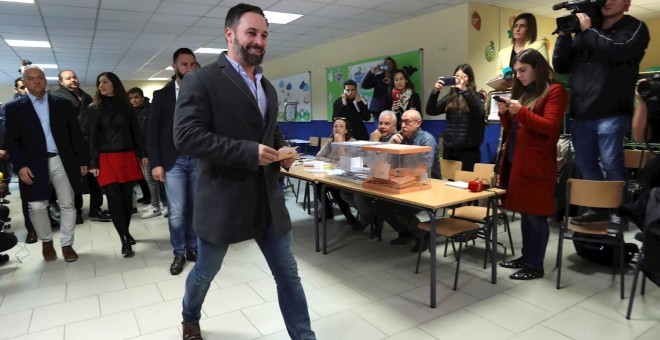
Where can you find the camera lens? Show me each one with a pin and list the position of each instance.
(644, 88)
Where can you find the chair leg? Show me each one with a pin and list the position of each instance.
(632, 291)
(643, 290)
(559, 252)
(458, 261)
(508, 229)
(419, 253)
(622, 264)
(298, 190)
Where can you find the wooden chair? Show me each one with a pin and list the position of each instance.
(637, 159)
(594, 194)
(448, 168)
(452, 229)
(481, 214)
(324, 140)
(313, 145)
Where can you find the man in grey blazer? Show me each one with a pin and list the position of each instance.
(226, 117)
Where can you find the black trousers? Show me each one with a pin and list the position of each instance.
(26, 217)
(95, 196)
(468, 156)
(120, 204)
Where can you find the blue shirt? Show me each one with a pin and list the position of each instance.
(41, 107)
(256, 88)
(424, 138)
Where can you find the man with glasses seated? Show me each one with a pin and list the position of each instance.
(403, 218)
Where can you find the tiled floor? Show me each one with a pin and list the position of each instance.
(363, 289)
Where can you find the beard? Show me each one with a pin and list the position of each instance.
(249, 58)
(179, 74)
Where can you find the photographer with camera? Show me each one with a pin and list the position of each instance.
(646, 126)
(380, 78)
(603, 63)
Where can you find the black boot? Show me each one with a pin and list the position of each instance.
(131, 240)
(126, 248)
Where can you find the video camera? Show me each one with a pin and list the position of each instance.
(571, 23)
(649, 89)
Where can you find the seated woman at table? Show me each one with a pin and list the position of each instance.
(341, 132)
(532, 118)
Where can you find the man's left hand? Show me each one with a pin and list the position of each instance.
(83, 170)
(287, 162)
(585, 21)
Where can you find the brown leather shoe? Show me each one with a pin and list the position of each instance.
(31, 237)
(69, 254)
(191, 331)
(48, 251)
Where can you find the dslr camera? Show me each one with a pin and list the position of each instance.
(649, 89)
(571, 23)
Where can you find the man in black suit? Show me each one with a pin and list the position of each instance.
(176, 169)
(71, 91)
(47, 148)
(226, 116)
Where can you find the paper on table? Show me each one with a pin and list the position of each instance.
(498, 84)
(287, 152)
(457, 184)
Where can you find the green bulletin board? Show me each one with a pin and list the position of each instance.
(411, 62)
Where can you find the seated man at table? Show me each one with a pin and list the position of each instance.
(365, 204)
(403, 218)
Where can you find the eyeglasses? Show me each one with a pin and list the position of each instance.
(409, 121)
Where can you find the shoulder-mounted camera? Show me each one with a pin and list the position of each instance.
(571, 23)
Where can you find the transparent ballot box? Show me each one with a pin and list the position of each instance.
(397, 168)
(348, 161)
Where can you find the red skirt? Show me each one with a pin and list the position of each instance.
(118, 167)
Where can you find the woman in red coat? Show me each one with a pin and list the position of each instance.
(533, 119)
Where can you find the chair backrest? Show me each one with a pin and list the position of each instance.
(594, 194)
(313, 141)
(324, 140)
(637, 159)
(466, 176)
(483, 167)
(448, 168)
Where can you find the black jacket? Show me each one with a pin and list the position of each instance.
(112, 129)
(603, 67)
(463, 129)
(376, 81)
(80, 105)
(355, 116)
(142, 115)
(162, 151)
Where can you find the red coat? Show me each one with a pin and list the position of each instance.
(532, 177)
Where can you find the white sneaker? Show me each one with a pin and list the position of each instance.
(145, 209)
(153, 212)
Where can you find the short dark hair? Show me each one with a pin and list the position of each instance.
(182, 50)
(135, 90)
(531, 26)
(17, 80)
(350, 82)
(235, 13)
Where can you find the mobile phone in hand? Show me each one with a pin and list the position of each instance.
(499, 99)
(448, 81)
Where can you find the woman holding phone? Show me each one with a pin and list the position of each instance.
(533, 118)
(464, 106)
(380, 78)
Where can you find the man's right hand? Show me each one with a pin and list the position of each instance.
(25, 174)
(375, 136)
(397, 139)
(158, 173)
(267, 155)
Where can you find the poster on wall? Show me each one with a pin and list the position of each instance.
(411, 62)
(295, 88)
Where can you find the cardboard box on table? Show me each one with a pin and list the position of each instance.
(397, 168)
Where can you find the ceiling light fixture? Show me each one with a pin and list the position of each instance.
(159, 78)
(20, 1)
(169, 68)
(208, 50)
(47, 65)
(52, 78)
(27, 43)
(280, 17)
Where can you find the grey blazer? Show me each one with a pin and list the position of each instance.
(218, 121)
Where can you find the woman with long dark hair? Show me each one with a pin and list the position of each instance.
(402, 97)
(533, 118)
(115, 146)
(523, 36)
(466, 122)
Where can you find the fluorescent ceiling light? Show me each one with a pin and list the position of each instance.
(46, 65)
(52, 78)
(169, 68)
(208, 50)
(27, 43)
(280, 17)
(21, 1)
(158, 78)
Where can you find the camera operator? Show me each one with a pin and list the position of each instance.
(603, 63)
(646, 126)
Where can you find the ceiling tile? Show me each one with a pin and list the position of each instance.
(159, 18)
(115, 15)
(73, 3)
(131, 5)
(58, 11)
(296, 6)
(119, 26)
(334, 11)
(178, 8)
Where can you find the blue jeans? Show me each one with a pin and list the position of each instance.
(179, 185)
(535, 234)
(601, 139)
(279, 255)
